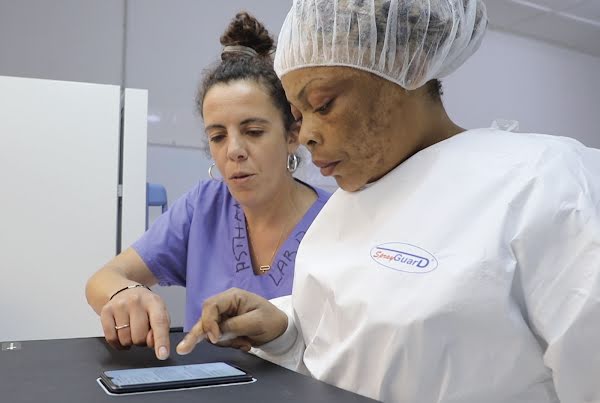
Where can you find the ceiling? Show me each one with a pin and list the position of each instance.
(571, 23)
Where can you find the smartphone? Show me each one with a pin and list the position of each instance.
(172, 377)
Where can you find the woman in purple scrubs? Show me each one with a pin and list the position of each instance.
(241, 229)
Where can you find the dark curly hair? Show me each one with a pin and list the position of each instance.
(245, 30)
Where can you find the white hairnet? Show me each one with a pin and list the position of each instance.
(408, 42)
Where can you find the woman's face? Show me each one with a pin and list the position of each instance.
(347, 118)
(247, 140)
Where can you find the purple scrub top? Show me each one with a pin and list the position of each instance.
(201, 243)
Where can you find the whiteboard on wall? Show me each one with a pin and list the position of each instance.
(59, 174)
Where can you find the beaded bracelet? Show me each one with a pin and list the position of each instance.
(127, 288)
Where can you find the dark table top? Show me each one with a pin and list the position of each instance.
(66, 370)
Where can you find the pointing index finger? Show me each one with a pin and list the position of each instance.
(159, 323)
(195, 336)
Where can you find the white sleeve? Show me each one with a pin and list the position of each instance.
(288, 349)
(558, 255)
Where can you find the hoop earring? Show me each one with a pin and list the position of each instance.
(210, 172)
(292, 162)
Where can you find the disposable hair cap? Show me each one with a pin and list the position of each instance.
(408, 42)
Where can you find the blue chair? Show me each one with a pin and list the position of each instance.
(156, 195)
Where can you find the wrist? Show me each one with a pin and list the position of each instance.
(129, 287)
(284, 341)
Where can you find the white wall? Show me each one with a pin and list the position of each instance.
(72, 40)
(546, 88)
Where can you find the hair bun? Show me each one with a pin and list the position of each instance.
(245, 30)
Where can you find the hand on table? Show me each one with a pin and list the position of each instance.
(138, 317)
(236, 318)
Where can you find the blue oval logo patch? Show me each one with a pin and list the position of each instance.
(404, 257)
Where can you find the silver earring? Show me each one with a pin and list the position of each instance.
(292, 162)
(210, 172)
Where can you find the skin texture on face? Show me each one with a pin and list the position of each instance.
(247, 140)
(359, 126)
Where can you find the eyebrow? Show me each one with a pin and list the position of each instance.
(254, 120)
(242, 123)
(302, 93)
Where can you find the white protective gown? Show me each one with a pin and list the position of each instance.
(468, 274)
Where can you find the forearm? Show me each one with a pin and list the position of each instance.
(103, 284)
(124, 270)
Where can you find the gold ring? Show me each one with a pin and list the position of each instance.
(122, 326)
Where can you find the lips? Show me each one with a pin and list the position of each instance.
(240, 175)
(327, 167)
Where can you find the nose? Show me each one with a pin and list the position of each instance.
(308, 135)
(236, 149)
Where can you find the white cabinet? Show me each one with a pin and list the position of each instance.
(63, 154)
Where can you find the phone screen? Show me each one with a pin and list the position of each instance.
(156, 378)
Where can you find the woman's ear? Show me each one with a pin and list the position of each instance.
(293, 137)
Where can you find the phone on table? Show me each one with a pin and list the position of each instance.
(172, 377)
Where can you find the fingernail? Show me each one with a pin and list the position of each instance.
(227, 336)
(182, 349)
(163, 353)
(212, 338)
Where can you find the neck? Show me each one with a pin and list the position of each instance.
(438, 127)
(270, 223)
(429, 124)
(281, 207)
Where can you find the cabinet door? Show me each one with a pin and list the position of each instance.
(59, 168)
(135, 140)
